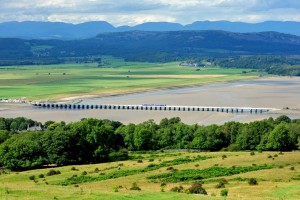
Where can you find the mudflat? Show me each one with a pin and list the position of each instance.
(273, 92)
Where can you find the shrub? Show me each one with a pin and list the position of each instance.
(118, 155)
(292, 168)
(224, 193)
(116, 188)
(280, 153)
(197, 188)
(252, 153)
(280, 166)
(163, 185)
(177, 189)
(32, 177)
(134, 186)
(151, 160)
(151, 165)
(53, 172)
(222, 183)
(84, 173)
(170, 168)
(197, 165)
(6, 190)
(96, 170)
(252, 181)
(139, 161)
(275, 155)
(41, 176)
(74, 169)
(224, 156)
(269, 156)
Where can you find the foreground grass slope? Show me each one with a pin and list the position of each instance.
(65, 80)
(278, 176)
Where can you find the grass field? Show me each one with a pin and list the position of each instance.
(53, 82)
(278, 176)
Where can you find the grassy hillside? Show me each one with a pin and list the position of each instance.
(278, 176)
(57, 81)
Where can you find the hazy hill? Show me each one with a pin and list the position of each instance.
(59, 30)
(155, 46)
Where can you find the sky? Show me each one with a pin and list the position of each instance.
(132, 12)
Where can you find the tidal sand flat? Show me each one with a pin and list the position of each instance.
(273, 92)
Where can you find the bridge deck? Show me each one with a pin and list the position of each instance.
(152, 107)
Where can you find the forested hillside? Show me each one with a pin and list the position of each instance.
(270, 51)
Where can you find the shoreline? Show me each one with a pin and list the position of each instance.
(276, 92)
(94, 96)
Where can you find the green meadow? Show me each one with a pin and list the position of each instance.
(156, 173)
(52, 82)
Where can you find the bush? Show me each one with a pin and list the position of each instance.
(117, 187)
(170, 168)
(151, 160)
(96, 170)
(139, 161)
(224, 193)
(53, 172)
(118, 155)
(134, 186)
(252, 181)
(222, 183)
(163, 185)
(292, 168)
(84, 173)
(224, 156)
(32, 177)
(74, 169)
(197, 188)
(197, 165)
(41, 176)
(252, 153)
(177, 189)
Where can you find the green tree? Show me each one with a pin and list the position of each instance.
(14, 126)
(59, 146)
(127, 133)
(279, 138)
(282, 118)
(2, 124)
(4, 135)
(23, 151)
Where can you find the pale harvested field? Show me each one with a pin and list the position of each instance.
(174, 76)
(275, 92)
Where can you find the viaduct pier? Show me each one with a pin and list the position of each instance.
(152, 107)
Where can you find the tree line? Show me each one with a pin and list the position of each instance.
(279, 65)
(95, 141)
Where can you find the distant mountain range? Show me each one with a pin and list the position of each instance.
(65, 31)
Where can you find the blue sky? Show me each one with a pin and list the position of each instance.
(132, 12)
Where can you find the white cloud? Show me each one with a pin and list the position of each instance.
(131, 12)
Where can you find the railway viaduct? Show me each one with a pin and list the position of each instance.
(151, 107)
